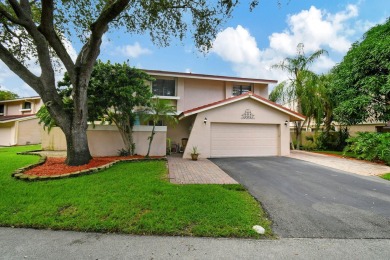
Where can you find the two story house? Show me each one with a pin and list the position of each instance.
(18, 123)
(224, 116)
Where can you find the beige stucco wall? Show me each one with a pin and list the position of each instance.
(29, 132)
(106, 141)
(199, 92)
(261, 90)
(7, 134)
(201, 133)
(362, 128)
(13, 108)
(181, 130)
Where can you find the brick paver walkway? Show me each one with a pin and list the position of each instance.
(344, 164)
(203, 171)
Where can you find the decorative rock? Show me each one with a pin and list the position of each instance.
(259, 229)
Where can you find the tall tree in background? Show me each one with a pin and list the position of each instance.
(298, 91)
(7, 95)
(362, 80)
(40, 30)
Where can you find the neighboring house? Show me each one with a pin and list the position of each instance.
(18, 123)
(224, 116)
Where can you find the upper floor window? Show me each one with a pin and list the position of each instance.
(1, 109)
(27, 105)
(238, 90)
(164, 87)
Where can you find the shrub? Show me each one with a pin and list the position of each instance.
(335, 141)
(370, 146)
(123, 152)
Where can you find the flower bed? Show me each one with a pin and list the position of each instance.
(52, 168)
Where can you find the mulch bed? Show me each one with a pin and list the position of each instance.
(56, 166)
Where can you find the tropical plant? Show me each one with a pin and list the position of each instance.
(42, 31)
(361, 80)
(370, 146)
(194, 150)
(300, 90)
(158, 110)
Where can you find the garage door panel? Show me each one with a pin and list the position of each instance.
(234, 140)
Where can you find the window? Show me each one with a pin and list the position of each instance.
(164, 87)
(1, 109)
(238, 90)
(27, 105)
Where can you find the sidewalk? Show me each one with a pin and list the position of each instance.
(349, 165)
(44, 244)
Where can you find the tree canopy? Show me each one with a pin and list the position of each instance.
(6, 95)
(40, 30)
(362, 79)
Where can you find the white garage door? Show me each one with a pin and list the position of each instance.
(230, 140)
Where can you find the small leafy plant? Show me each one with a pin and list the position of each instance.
(370, 146)
(123, 152)
(194, 150)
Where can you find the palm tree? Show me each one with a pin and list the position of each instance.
(159, 110)
(299, 91)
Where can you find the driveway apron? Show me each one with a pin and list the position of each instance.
(306, 200)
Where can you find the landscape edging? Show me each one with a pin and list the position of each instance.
(20, 175)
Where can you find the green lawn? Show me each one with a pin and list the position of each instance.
(131, 198)
(386, 176)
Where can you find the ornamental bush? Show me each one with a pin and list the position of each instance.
(370, 146)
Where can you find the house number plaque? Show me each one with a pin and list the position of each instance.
(248, 114)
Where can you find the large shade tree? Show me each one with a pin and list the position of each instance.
(41, 29)
(361, 85)
(299, 91)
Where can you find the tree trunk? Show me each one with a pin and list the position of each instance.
(76, 137)
(151, 140)
(298, 134)
(77, 145)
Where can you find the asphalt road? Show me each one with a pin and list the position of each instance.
(306, 200)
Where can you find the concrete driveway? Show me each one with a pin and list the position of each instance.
(306, 200)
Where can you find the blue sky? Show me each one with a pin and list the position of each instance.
(249, 43)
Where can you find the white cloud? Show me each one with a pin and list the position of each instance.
(236, 45)
(315, 28)
(133, 51)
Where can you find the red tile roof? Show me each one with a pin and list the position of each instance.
(14, 117)
(240, 97)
